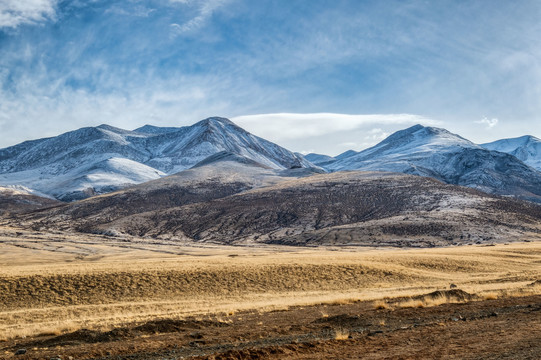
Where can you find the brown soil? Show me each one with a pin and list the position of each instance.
(344, 208)
(451, 295)
(508, 328)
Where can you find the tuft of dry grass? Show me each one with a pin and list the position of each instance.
(344, 301)
(341, 334)
(381, 304)
(437, 301)
(411, 303)
(489, 296)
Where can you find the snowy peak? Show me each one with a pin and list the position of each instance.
(99, 159)
(438, 153)
(509, 145)
(419, 135)
(71, 149)
(151, 129)
(526, 148)
(158, 130)
(216, 121)
(315, 158)
(416, 141)
(319, 159)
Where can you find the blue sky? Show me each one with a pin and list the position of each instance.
(316, 75)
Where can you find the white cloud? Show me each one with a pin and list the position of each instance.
(205, 10)
(328, 133)
(376, 134)
(286, 126)
(36, 107)
(16, 12)
(137, 11)
(490, 123)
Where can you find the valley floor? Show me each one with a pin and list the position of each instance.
(98, 297)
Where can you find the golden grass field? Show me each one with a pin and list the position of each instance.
(53, 283)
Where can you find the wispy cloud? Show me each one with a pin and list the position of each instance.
(490, 123)
(54, 109)
(16, 12)
(298, 126)
(205, 9)
(329, 133)
(172, 62)
(137, 11)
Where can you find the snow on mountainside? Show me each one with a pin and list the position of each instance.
(437, 153)
(319, 159)
(218, 176)
(21, 190)
(151, 129)
(100, 159)
(346, 154)
(525, 148)
(178, 150)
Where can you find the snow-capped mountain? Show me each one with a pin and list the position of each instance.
(437, 153)
(218, 176)
(178, 150)
(319, 159)
(100, 159)
(525, 148)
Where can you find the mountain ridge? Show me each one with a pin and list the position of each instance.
(438, 153)
(94, 160)
(526, 148)
(221, 203)
(88, 161)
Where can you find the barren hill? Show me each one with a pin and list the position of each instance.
(361, 208)
(14, 200)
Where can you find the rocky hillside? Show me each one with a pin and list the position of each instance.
(19, 200)
(218, 176)
(360, 208)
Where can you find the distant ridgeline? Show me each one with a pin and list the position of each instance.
(97, 160)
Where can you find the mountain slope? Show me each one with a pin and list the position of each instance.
(218, 176)
(343, 208)
(319, 159)
(174, 151)
(100, 159)
(525, 148)
(16, 200)
(437, 153)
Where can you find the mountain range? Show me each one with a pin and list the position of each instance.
(215, 182)
(440, 154)
(239, 202)
(98, 160)
(95, 160)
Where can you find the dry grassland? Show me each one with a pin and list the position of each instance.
(57, 283)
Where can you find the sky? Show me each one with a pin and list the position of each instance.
(311, 75)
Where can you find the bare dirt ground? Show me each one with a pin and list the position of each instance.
(491, 329)
(95, 297)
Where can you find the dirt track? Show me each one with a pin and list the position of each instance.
(490, 329)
